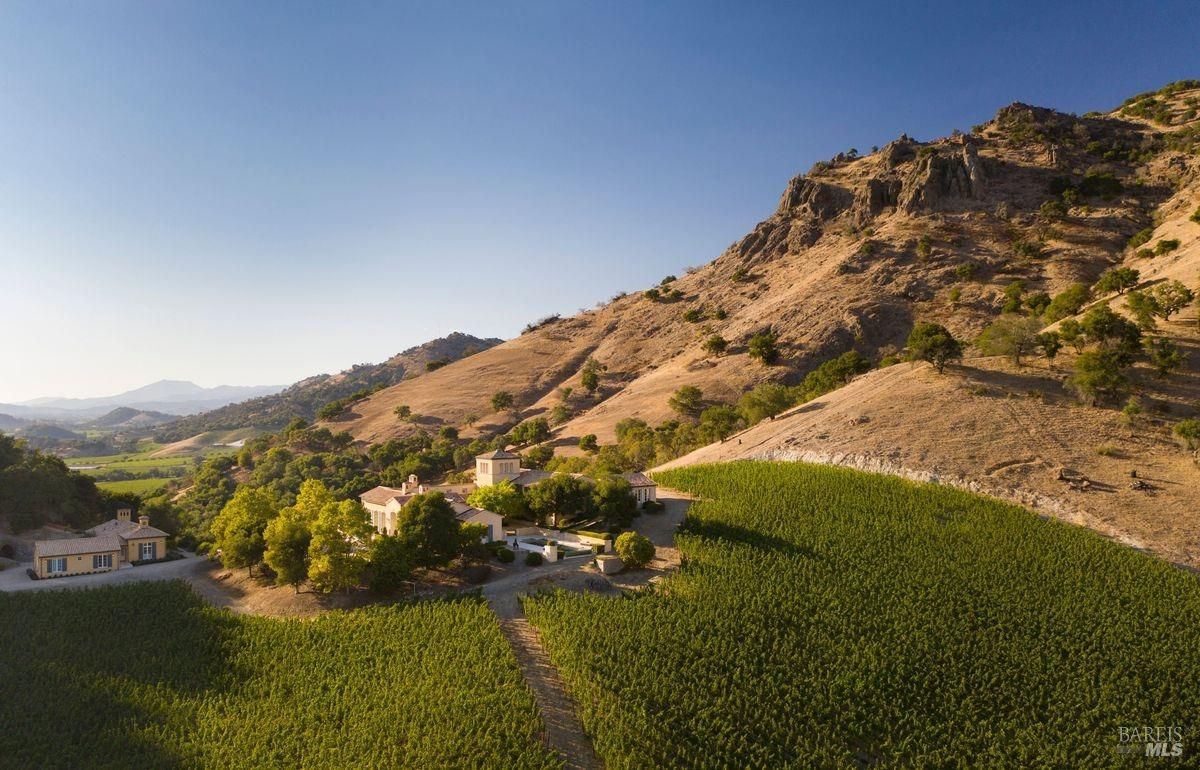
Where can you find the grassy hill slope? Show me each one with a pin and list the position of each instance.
(858, 249)
(1006, 430)
(305, 398)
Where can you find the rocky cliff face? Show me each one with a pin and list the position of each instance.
(857, 250)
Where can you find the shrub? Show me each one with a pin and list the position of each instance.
(762, 347)
(539, 323)
(693, 315)
(653, 295)
(505, 556)
(538, 456)
(588, 442)
(1131, 409)
(1166, 246)
(1141, 237)
(1026, 248)
(1068, 302)
(765, 400)
(653, 506)
(1049, 343)
(966, 271)
(715, 345)
(665, 281)
(1195, 217)
(1053, 209)
(559, 414)
(1188, 433)
(1171, 297)
(1038, 302)
(533, 559)
(1144, 308)
(933, 343)
(1117, 279)
(833, 374)
(1099, 376)
(1166, 357)
(502, 400)
(1113, 332)
(924, 247)
(635, 550)
(1013, 294)
(688, 401)
(1010, 335)
(1100, 184)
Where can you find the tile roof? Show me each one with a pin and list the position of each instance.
(384, 495)
(129, 530)
(498, 454)
(141, 532)
(528, 477)
(381, 495)
(639, 479)
(75, 546)
(462, 511)
(111, 527)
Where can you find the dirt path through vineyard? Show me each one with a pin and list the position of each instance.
(563, 730)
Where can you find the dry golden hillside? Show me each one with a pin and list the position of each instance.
(858, 249)
(1011, 432)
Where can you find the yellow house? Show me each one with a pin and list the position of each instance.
(111, 543)
(76, 556)
(139, 542)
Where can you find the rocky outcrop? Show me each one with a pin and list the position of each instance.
(822, 201)
(939, 177)
(878, 195)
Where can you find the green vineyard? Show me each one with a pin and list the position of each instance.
(829, 618)
(147, 675)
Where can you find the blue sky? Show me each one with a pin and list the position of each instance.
(249, 193)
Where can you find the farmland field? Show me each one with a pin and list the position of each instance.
(147, 675)
(140, 472)
(829, 618)
(146, 487)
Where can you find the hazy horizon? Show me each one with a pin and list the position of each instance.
(243, 194)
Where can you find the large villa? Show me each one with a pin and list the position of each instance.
(383, 503)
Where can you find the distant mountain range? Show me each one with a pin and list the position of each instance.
(305, 397)
(169, 397)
